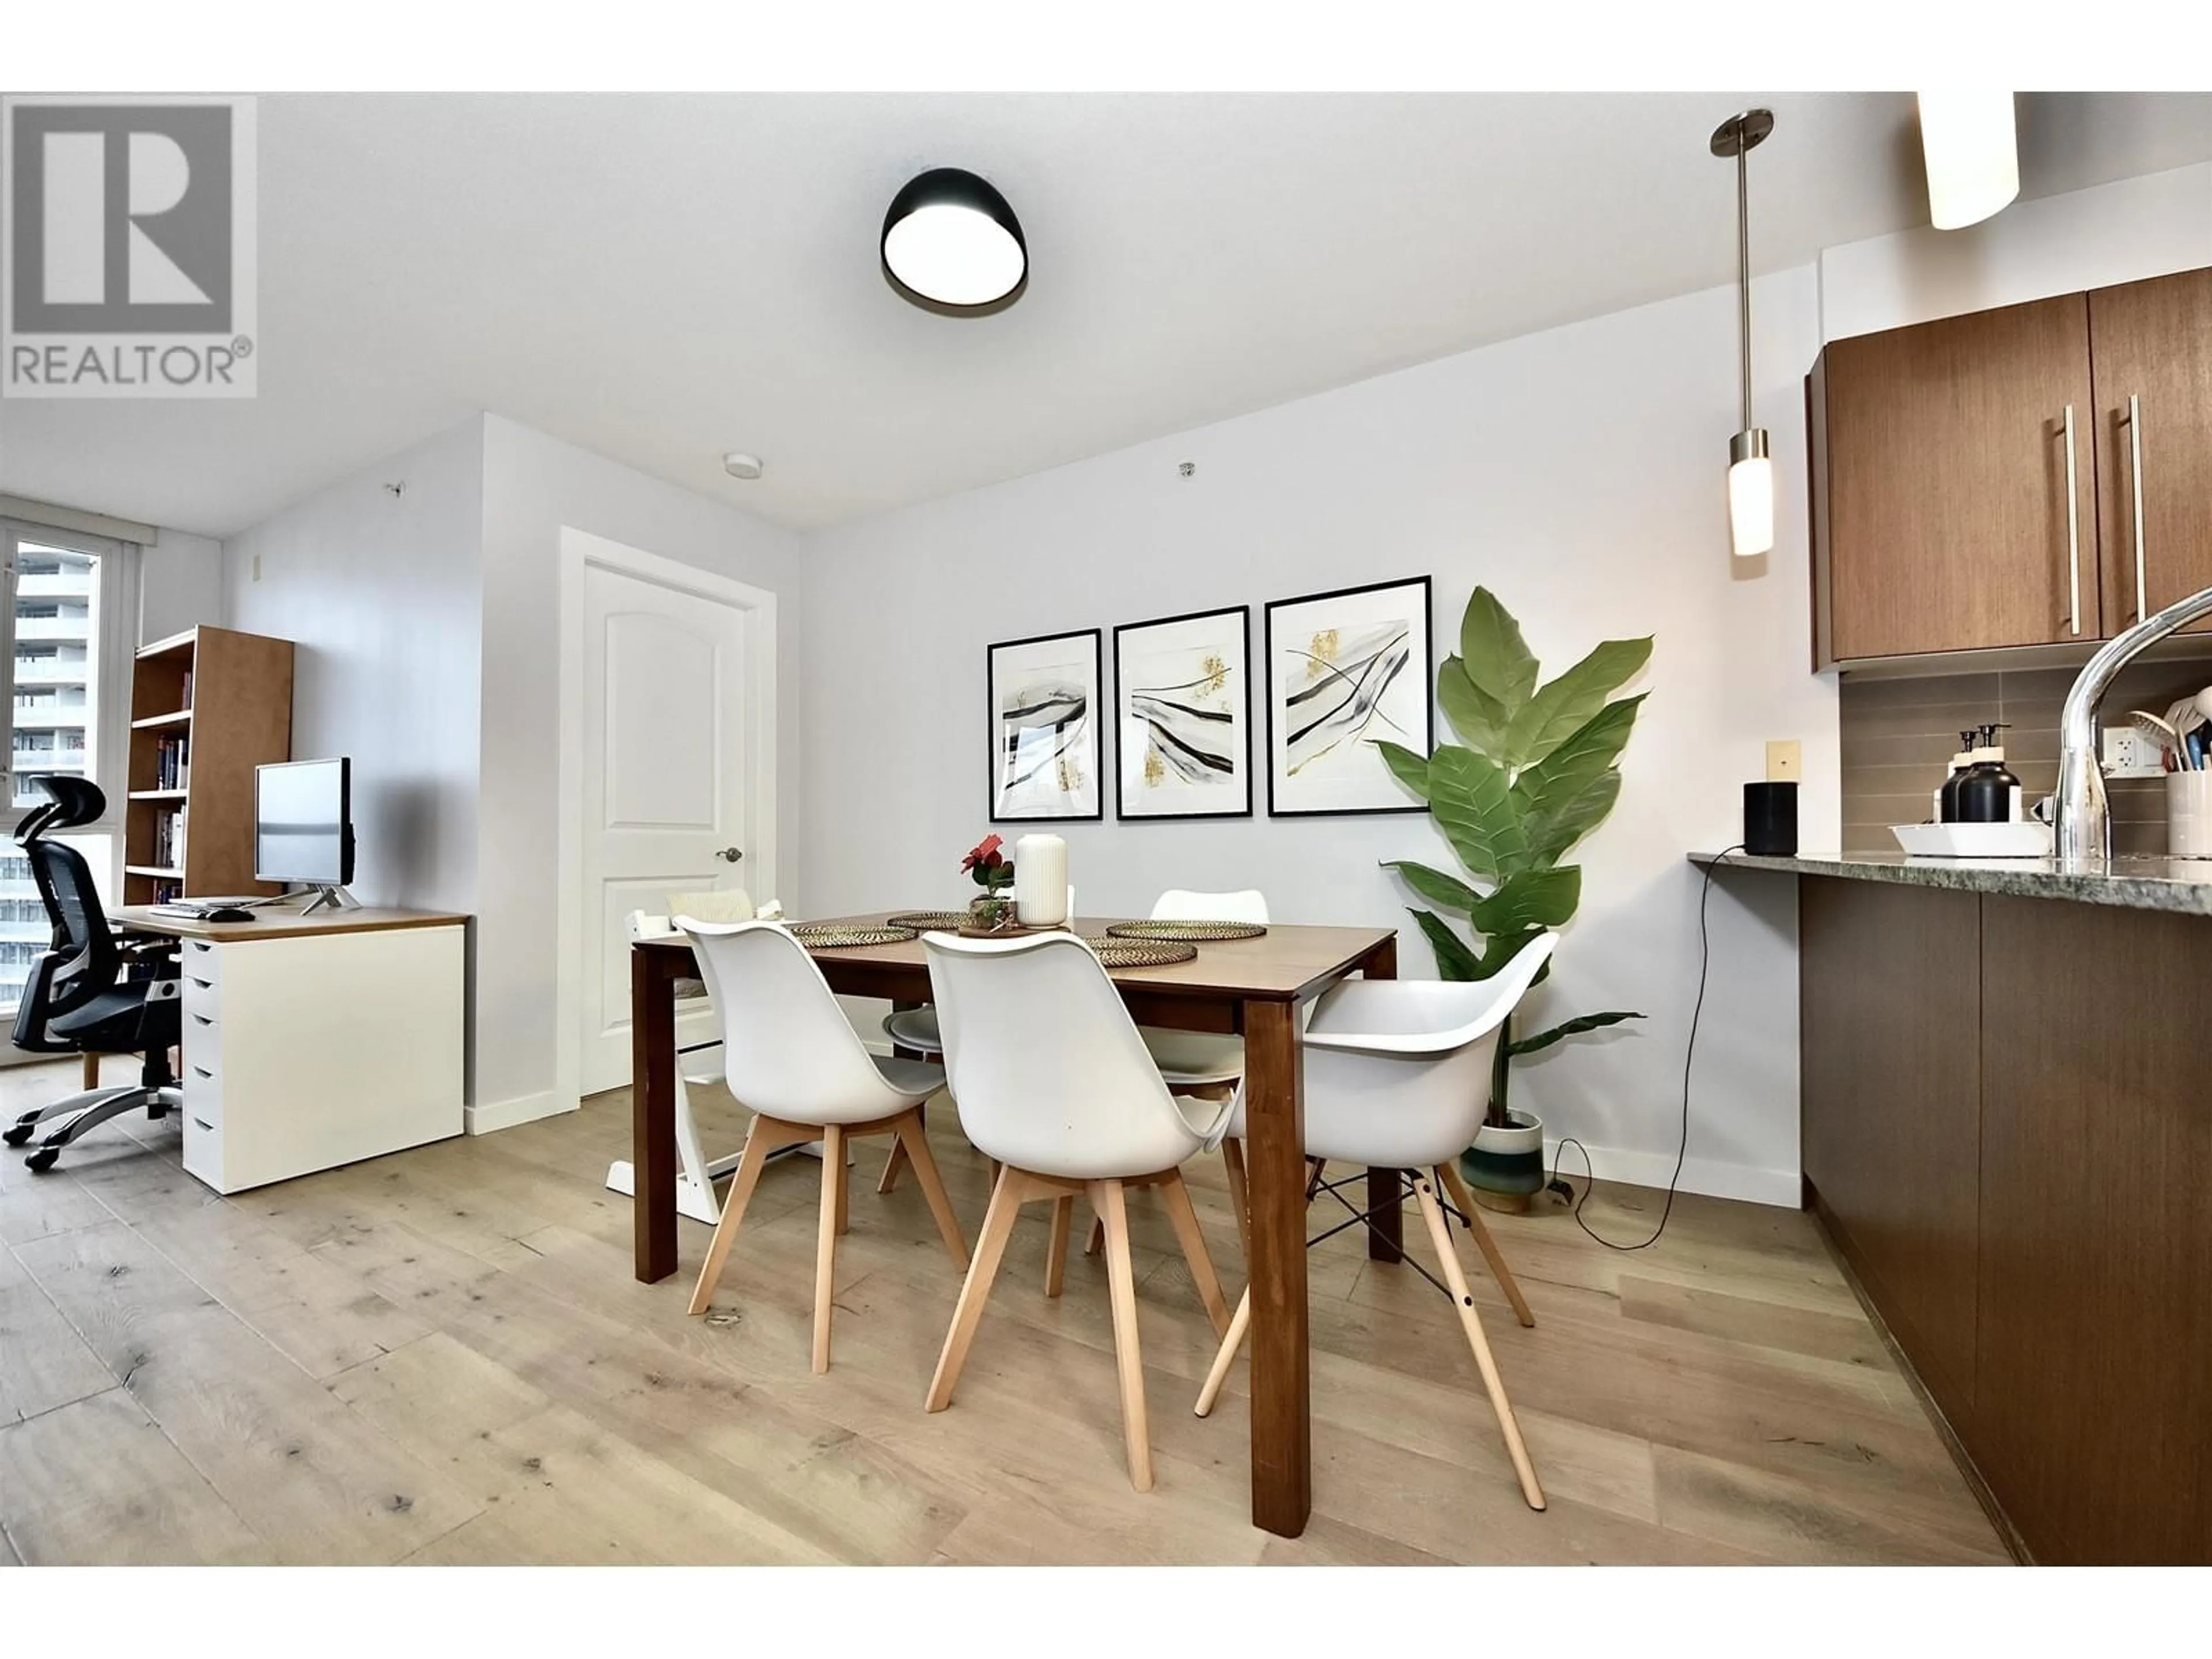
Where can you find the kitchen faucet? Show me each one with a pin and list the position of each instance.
(2083, 821)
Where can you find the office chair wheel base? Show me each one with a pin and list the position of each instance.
(43, 1160)
(17, 1134)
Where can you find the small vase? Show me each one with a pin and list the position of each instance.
(992, 914)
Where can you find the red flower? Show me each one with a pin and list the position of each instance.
(986, 854)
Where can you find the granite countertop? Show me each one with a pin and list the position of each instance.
(2182, 886)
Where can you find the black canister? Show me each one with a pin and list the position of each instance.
(1946, 809)
(1986, 789)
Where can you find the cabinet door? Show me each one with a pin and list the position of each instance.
(2094, 1328)
(1950, 526)
(2153, 341)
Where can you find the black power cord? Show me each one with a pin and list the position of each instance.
(1689, 1056)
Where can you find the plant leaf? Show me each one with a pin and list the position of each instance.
(1543, 791)
(1567, 1029)
(1497, 659)
(1535, 899)
(1454, 960)
(1501, 948)
(1563, 708)
(1551, 832)
(1472, 803)
(1436, 886)
(1479, 718)
(1408, 768)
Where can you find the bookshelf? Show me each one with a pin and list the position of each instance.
(207, 707)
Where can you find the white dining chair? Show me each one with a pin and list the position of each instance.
(1051, 1080)
(916, 1034)
(1396, 1074)
(789, 1053)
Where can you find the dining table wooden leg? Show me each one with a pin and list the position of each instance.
(1275, 1184)
(652, 975)
(1386, 1189)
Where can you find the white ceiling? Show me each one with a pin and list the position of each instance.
(662, 278)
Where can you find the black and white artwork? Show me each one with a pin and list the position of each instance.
(1345, 670)
(1046, 754)
(1183, 697)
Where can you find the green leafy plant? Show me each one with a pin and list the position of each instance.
(1533, 773)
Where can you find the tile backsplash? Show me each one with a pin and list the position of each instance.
(1899, 736)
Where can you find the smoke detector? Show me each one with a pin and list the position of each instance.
(739, 464)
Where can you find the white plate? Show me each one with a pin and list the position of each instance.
(1974, 840)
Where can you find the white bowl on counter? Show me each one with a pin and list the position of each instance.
(1974, 840)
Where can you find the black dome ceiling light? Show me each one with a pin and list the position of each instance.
(952, 245)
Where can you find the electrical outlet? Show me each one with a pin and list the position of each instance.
(2126, 752)
(1785, 761)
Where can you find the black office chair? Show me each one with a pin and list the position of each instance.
(78, 1000)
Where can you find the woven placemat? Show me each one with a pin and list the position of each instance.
(1131, 953)
(1186, 933)
(929, 921)
(829, 936)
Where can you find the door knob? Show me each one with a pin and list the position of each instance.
(729, 856)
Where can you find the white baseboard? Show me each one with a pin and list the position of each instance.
(498, 1115)
(1781, 1188)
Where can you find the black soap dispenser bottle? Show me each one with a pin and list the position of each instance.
(1988, 792)
(1946, 797)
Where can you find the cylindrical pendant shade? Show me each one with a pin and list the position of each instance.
(1973, 154)
(1750, 493)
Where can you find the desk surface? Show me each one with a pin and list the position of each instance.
(1286, 964)
(281, 924)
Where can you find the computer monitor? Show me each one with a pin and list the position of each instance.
(303, 825)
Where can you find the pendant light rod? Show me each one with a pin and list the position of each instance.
(1738, 137)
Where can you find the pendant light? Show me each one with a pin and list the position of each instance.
(952, 245)
(1751, 472)
(1972, 152)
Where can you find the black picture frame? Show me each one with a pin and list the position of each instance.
(1096, 745)
(1121, 749)
(1391, 795)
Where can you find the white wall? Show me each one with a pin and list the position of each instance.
(180, 584)
(382, 594)
(2115, 232)
(535, 485)
(1579, 474)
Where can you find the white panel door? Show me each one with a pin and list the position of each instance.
(666, 775)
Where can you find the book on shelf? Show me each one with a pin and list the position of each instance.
(169, 848)
(172, 760)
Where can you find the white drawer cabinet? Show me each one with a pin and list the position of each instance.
(304, 1052)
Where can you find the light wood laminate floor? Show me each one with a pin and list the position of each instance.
(441, 1357)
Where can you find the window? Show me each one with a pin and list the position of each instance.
(67, 603)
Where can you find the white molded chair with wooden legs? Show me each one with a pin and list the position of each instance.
(1396, 1074)
(791, 1055)
(1052, 1081)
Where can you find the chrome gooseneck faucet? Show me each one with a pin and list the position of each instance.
(2084, 822)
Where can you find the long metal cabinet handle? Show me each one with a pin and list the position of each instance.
(2135, 478)
(2073, 527)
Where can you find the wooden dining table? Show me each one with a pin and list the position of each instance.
(1251, 988)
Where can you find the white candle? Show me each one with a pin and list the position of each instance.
(1041, 881)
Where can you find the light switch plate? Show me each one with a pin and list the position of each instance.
(1785, 761)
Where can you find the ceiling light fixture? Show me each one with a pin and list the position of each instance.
(739, 464)
(1751, 473)
(952, 245)
(1972, 152)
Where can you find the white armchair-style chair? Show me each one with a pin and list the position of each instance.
(1396, 1074)
(1052, 1082)
(789, 1053)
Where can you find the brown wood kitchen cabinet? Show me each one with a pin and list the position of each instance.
(2150, 347)
(1946, 515)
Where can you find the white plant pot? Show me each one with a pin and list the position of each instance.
(1507, 1160)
